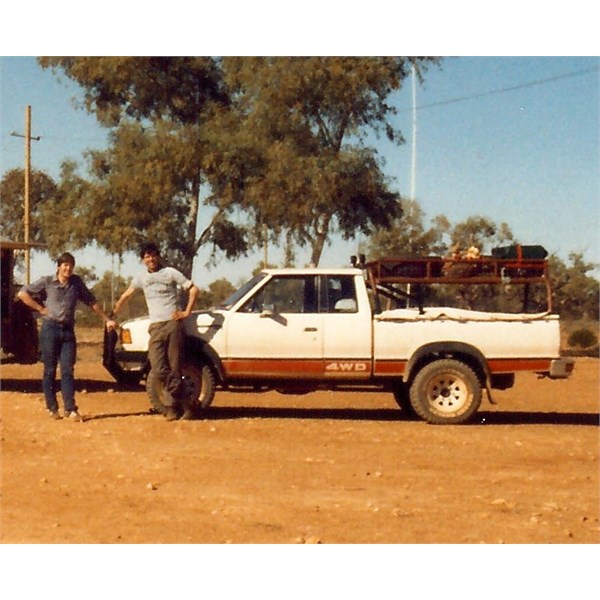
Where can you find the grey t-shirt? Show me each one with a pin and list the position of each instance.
(161, 290)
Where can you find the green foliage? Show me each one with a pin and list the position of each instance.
(278, 142)
(290, 147)
(480, 232)
(107, 289)
(219, 290)
(583, 337)
(147, 184)
(152, 88)
(407, 236)
(575, 293)
(87, 274)
(64, 225)
(204, 300)
(42, 190)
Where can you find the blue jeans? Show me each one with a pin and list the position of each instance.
(58, 345)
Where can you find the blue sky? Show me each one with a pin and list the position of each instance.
(515, 139)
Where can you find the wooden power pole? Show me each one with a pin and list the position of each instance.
(27, 185)
(26, 192)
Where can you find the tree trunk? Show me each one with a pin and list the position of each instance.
(318, 243)
(190, 230)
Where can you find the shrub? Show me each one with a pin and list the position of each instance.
(584, 338)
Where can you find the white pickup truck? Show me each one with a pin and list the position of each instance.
(299, 330)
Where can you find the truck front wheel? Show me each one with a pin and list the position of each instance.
(202, 381)
(445, 391)
(200, 386)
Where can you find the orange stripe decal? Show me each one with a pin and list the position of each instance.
(389, 368)
(317, 368)
(511, 365)
(269, 367)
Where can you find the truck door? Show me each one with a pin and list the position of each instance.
(346, 328)
(277, 332)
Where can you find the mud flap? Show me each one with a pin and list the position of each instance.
(488, 391)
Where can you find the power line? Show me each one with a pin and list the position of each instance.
(506, 89)
(75, 139)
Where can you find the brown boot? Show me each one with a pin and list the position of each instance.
(170, 414)
(188, 415)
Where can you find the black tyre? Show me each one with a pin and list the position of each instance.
(154, 387)
(202, 384)
(445, 392)
(199, 385)
(401, 393)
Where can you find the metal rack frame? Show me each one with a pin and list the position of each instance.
(382, 274)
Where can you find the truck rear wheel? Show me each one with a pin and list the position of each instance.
(445, 391)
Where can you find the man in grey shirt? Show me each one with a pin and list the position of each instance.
(60, 294)
(161, 285)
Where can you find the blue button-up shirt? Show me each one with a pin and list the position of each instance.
(60, 299)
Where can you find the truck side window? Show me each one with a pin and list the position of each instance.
(338, 294)
(284, 294)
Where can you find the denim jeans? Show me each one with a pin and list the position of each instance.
(58, 346)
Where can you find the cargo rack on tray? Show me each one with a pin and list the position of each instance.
(516, 265)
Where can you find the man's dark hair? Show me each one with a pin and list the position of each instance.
(65, 257)
(149, 248)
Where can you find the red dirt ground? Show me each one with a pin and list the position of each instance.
(330, 468)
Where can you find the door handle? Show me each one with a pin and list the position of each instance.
(310, 329)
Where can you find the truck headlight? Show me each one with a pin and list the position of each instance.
(125, 336)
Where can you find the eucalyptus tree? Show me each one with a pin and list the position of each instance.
(291, 149)
(269, 146)
(147, 183)
(409, 236)
(576, 291)
(12, 206)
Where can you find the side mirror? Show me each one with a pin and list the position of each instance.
(267, 311)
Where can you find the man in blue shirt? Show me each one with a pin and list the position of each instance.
(161, 285)
(58, 344)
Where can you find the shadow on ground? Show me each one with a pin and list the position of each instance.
(216, 413)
